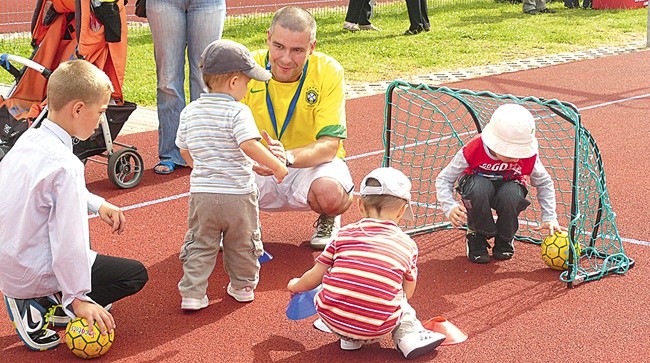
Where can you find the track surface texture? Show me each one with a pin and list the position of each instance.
(513, 311)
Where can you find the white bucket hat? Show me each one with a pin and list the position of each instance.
(511, 132)
(393, 182)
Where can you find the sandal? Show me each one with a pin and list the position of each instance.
(164, 167)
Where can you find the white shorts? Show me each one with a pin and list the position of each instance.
(291, 194)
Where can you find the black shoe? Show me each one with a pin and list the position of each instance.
(54, 311)
(532, 12)
(548, 11)
(30, 318)
(477, 248)
(503, 250)
(417, 30)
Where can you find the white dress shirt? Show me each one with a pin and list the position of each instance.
(44, 241)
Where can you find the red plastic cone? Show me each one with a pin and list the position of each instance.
(442, 325)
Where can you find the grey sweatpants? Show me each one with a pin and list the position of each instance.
(211, 218)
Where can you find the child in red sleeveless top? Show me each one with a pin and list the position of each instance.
(492, 172)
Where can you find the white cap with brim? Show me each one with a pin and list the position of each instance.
(226, 56)
(393, 182)
(511, 132)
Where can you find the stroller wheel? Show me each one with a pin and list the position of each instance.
(3, 151)
(125, 168)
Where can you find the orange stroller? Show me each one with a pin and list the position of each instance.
(94, 30)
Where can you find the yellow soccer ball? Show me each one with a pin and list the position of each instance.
(555, 250)
(86, 342)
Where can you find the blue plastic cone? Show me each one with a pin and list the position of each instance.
(302, 305)
(266, 257)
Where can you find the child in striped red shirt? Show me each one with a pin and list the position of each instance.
(368, 272)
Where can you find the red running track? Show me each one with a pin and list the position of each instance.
(513, 311)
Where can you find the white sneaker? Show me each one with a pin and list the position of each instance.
(350, 26)
(368, 27)
(326, 228)
(416, 344)
(189, 303)
(318, 324)
(242, 295)
(348, 345)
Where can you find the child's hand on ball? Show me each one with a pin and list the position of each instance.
(550, 226)
(94, 313)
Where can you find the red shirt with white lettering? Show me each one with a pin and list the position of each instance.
(480, 163)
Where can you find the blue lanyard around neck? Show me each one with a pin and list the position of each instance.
(292, 105)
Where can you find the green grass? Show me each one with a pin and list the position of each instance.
(479, 33)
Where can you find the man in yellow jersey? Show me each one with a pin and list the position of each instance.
(302, 108)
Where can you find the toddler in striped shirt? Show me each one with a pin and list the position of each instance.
(369, 271)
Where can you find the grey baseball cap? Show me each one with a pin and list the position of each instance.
(226, 56)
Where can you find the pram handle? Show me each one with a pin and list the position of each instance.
(6, 59)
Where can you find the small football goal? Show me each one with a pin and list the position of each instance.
(425, 126)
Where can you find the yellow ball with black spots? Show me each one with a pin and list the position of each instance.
(85, 341)
(555, 250)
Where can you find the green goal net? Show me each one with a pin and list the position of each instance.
(425, 126)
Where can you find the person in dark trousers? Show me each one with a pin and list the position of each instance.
(418, 16)
(572, 4)
(358, 15)
(48, 273)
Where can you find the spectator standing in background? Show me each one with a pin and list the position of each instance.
(534, 7)
(177, 27)
(418, 16)
(358, 15)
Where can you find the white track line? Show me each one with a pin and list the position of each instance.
(379, 152)
(635, 242)
(614, 102)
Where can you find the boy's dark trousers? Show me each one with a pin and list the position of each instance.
(418, 14)
(480, 195)
(359, 12)
(113, 278)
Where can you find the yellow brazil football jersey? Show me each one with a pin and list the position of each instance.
(320, 107)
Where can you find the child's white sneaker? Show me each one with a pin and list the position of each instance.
(416, 344)
(318, 324)
(349, 345)
(242, 295)
(188, 303)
